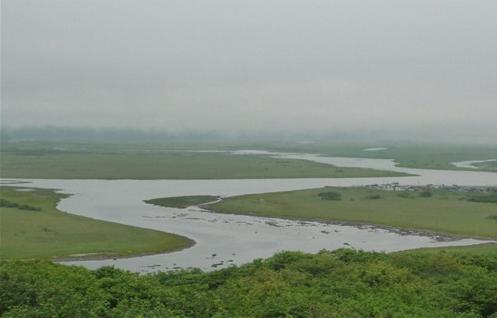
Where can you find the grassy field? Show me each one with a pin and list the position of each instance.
(406, 154)
(50, 233)
(182, 202)
(134, 164)
(440, 156)
(171, 160)
(443, 212)
(489, 165)
(489, 249)
(157, 160)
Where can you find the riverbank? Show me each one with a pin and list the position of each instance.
(32, 227)
(178, 165)
(434, 211)
(405, 153)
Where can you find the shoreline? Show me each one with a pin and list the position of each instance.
(101, 257)
(438, 236)
(92, 255)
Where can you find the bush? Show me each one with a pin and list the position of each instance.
(425, 194)
(7, 204)
(484, 198)
(373, 197)
(404, 194)
(331, 195)
(342, 283)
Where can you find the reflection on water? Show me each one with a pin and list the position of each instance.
(223, 240)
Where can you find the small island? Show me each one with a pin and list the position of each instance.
(182, 202)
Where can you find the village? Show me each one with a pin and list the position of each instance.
(395, 186)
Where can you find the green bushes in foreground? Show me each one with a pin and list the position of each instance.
(343, 283)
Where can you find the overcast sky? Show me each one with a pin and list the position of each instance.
(251, 65)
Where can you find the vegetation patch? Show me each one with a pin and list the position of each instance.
(7, 204)
(443, 212)
(343, 283)
(182, 202)
(51, 233)
(373, 197)
(487, 165)
(22, 158)
(426, 194)
(486, 249)
(406, 154)
(330, 195)
(404, 194)
(147, 162)
(488, 198)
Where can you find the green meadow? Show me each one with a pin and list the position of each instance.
(441, 211)
(488, 249)
(45, 232)
(424, 155)
(488, 165)
(175, 160)
(170, 165)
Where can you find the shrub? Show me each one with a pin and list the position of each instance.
(342, 283)
(7, 204)
(425, 194)
(331, 195)
(373, 197)
(403, 194)
(484, 198)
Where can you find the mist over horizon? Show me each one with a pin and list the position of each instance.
(367, 138)
(389, 70)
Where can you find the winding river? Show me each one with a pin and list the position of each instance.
(223, 239)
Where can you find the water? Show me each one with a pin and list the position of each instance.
(222, 239)
(375, 149)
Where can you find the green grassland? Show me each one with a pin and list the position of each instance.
(489, 165)
(439, 156)
(488, 249)
(182, 202)
(444, 212)
(342, 283)
(406, 154)
(52, 164)
(49, 233)
(171, 159)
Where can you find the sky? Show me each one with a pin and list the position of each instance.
(427, 66)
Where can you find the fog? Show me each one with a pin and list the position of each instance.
(404, 67)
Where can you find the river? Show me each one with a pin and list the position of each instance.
(223, 239)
